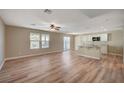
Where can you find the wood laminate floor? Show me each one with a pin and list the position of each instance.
(63, 67)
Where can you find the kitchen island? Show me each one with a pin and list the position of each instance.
(91, 52)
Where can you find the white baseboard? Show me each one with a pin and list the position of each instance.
(12, 58)
(2, 64)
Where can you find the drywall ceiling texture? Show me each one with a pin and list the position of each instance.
(70, 20)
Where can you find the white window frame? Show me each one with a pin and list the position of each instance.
(34, 40)
(46, 40)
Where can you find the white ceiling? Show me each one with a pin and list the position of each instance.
(71, 20)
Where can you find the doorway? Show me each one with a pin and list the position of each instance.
(66, 41)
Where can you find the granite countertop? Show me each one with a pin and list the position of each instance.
(94, 46)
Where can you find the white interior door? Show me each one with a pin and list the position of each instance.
(66, 43)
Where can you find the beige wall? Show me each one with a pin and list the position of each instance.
(123, 46)
(2, 44)
(18, 43)
(115, 44)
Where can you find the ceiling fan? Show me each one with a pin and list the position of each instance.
(54, 28)
(48, 11)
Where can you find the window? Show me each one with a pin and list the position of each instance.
(34, 40)
(45, 40)
(38, 40)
